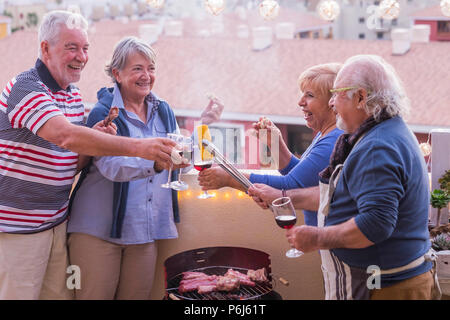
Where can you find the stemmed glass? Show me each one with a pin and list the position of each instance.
(185, 152)
(286, 218)
(175, 137)
(200, 165)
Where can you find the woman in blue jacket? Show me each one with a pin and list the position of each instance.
(315, 84)
(118, 209)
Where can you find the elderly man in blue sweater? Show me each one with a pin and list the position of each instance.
(373, 197)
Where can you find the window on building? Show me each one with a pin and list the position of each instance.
(362, 20)
(380, 35)
(362, 36)
(304, 35)
(443, 27)
(299, 138)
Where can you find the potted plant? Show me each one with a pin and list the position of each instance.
(440, 235)
(445, 181)
(441, 244)
(439, 200)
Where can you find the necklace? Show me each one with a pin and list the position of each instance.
(324, 132)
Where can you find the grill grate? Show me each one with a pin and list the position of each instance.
(244, 292)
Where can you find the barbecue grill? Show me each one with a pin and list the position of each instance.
(216, 261)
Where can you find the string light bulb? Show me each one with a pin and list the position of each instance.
(389, 9)
(269, 9)
(425, 147)
(156, 4)
(215, 7)
(328, 9)
(445, 7)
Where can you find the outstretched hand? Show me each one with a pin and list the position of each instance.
(111, 128)
(213, 178)
(263, 194)
(213, 111)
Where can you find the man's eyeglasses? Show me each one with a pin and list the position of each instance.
(335, 91)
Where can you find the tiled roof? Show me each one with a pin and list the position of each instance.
(4, 19)
(430, 12)
(249, 82)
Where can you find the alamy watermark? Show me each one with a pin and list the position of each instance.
(74, 280)
(374, 280)
(252, 149)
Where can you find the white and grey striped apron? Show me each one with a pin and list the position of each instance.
(341, 281)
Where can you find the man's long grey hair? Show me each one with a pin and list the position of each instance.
(384, 87)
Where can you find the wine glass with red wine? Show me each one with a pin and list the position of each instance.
(200, 165)
(286, 218)
(175, 137)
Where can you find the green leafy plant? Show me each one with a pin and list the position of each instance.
(32, 19)
(444, 182)
(439, 199)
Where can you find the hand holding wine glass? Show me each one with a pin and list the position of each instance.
(286, 218)
(174, 137)
(186, 153)
(202, 158)
(200, 164)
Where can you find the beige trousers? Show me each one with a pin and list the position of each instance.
(33, 266)
(417, 288)
(110, 271)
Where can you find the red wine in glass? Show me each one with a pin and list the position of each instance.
(202, 165)
(286, 222)
(285, 217)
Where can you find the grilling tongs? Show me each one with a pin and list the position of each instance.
(226, 165)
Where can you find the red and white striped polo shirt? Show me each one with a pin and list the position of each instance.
(36, 176)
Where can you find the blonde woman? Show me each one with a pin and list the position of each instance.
(314, 84)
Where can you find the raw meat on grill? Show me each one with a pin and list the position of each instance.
(227, 284)
(195, 283)
(230, 281)
(207, 288)
(193, 275)
(243, 278)
(258, 275)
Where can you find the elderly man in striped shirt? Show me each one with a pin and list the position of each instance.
(41, 142)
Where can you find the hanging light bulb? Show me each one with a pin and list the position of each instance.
(157, 4)
(269, 9)
(389, 9)
(445, 7)
(215, 6)
(425, 147)
(328, 9)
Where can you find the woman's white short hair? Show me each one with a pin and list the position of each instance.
(380, 80)
(123, 49)
(52, 22)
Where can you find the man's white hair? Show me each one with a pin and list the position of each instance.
(52, 22)
(380, 80)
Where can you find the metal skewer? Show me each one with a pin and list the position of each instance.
(226, 165)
